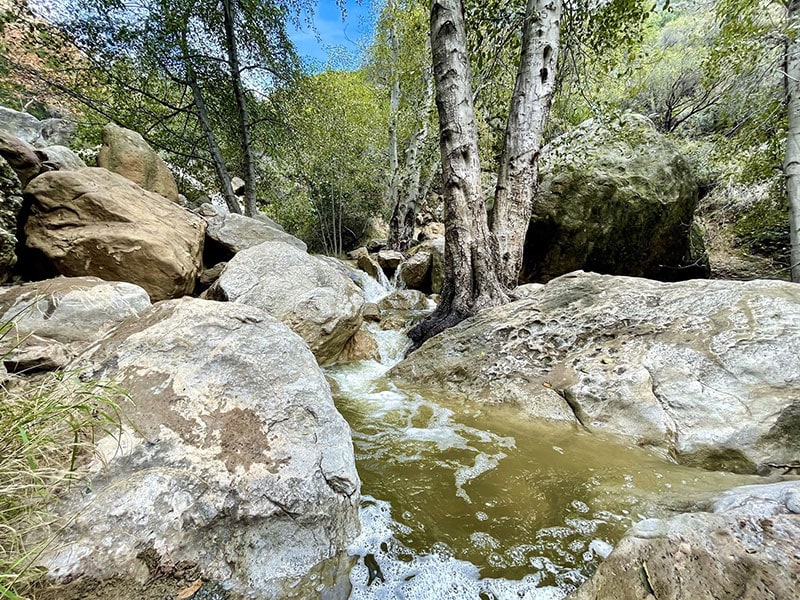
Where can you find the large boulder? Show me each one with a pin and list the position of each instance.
(708, 371)
(434, 247)
(29, 129)
(10, 205)
(21, 157)
(229, 233)
(744, 547)
(232, 458)
(61, 158)
(125, 152)
(70, 309)
(316, 300)
(94, 222)
(614, 198)
(414, 272)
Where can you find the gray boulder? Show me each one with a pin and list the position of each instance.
(94, 222)
(708, 371)
(74, 309)
(229, 233)
(61, 158)
(404, 300)
(21, 157)
(389, 260)
(37, 133)
(614, 198)
(232, 457)
(743, 547)
(314, 299)
(126, 153)
(369, 265)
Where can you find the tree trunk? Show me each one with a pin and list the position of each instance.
(394, 111)
(250, 202)
(470, 280)
(517, 179)
(410, 194)
(792, 162)
(221, 170)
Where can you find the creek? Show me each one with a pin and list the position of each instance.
(467, 501)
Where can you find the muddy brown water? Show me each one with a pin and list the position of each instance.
(472, 501)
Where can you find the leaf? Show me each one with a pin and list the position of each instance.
(190, 591)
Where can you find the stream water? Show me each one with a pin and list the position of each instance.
(467, 501)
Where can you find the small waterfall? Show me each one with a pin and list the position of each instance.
(375, 289)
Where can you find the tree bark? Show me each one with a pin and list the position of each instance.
(517, 180)
(392, 195)
(410, 193)
(792, 161)
(250, 202)
(220, 169)
(470, 280)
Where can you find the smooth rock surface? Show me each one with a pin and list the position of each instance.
(617, 198)
(125, 152)
(708, 371)
(435, 247)
(70, 309)
(229, 233)
(369, 265)
(233, 457)
(94, 222)
(314, 299)
(62, 158)
(21, 157)
(745, 547)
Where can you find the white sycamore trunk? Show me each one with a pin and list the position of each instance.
(792, 162)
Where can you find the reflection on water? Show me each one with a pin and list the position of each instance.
(470, 501)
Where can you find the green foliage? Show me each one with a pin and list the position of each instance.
(327, 168)
(47, 430)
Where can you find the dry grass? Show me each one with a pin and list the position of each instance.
(47, 430)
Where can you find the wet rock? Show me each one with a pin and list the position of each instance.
(126, 153)
(316, 300)
(704, 370)
(372, 312)
(233, 457)
(745, 546)
(69, 309)
(229, 233)
(94, 222)
(404, 300)
(362, 346)
(615, 198)
(415, 271)
(389, 260)
(369, 265)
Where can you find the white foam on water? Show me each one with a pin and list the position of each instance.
(375, 289)
(411, 576)
(483, 463)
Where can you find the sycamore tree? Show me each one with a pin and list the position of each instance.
(201, 67)
(482, 260)
(399, 63)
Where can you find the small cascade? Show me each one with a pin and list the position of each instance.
(375, 289)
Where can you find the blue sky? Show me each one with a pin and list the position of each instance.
(334, 39)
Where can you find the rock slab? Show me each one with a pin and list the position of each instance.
(708, 371)
(94, 222)
(233, 456)
(744, 547)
